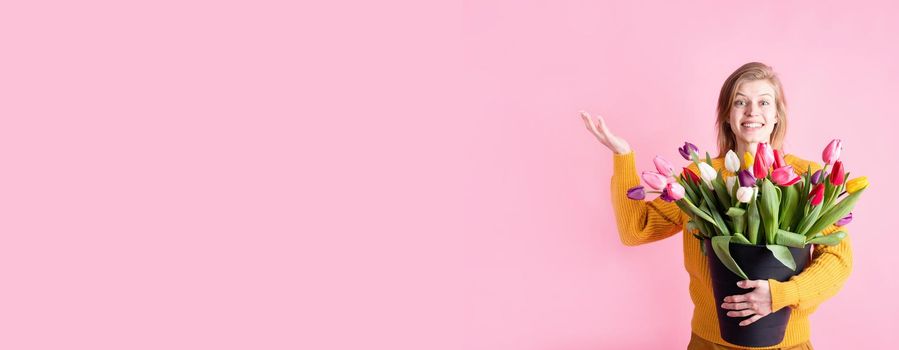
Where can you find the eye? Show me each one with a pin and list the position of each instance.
(738, 102)
(765, 103)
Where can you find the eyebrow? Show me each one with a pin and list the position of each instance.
(759, 95)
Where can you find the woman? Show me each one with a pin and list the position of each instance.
(751, 109)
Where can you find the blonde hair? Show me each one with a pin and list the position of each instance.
(749, 72)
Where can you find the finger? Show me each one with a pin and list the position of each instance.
(748, 284)
(741, 313)
(588, 121)
(602, 125)
(750, 320)
(736, 298)
(735, 306)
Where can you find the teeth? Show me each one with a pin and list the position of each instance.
(752, 125)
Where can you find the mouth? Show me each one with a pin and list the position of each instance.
(752, 126)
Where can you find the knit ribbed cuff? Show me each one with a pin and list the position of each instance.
(783, 294)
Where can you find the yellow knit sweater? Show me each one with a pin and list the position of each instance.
(641, 222)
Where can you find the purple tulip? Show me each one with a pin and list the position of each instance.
(636, 193)
(845, 220)
(688, 150)
(746, 179)
(817, 177)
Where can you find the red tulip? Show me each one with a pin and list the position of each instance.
(779, 160)
(759, 166)
(691, 176)
(837, 176)
(817, 194)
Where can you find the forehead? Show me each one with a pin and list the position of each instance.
(755, 88)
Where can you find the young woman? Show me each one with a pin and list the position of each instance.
(751, 109)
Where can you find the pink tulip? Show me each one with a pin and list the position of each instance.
(674, 191)
(655, 180)
(832, 151)
(663, 166)
(785, 176)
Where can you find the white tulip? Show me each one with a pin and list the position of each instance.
(731, 182)
(745, 194)
(708, 174)
(732, 162)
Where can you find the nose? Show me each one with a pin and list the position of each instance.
(753, 110)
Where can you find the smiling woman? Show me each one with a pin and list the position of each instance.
(751, 110)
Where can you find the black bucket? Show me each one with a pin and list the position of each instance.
(759, 264)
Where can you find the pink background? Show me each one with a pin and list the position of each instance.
(397, 175)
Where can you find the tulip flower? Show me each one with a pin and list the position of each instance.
(837, 176)
(844, 221)
(759, 167)
(732, 162)
(779, 161)
(856, 184)
(817, 194)
(691, 176)
(731, 181)
(746, 179)
(655, 180)
(766, 151)
(744, 194)
(707, 173)
(832, 151)
(674, 191)
(687, 150)
(636, 193)
(785, 176)
(747, 160)
(818, 176)
(663, 166)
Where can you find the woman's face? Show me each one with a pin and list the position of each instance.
(754, 112)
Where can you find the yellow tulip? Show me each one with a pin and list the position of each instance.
(856, 184)
(748, 159)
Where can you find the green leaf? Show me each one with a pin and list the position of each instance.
(790, 239)
(832, 239)
(788, 206)
(836, 213)
(688, 207)
(713, 211)
(768, 208)
(739, 238)
(721, 246)
(783, 255)
(753, 219)
(708, 159)
(806, 223)
(721, 191)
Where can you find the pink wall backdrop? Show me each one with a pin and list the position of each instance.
(397, 175)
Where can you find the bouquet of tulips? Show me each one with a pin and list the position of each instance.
(766, 203)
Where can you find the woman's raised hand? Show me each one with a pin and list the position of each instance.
(602, 133)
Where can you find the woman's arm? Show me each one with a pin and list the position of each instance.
(822, 279)
(639, 222)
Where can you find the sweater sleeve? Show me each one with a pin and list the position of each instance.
(639, 221)
(822, 279)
